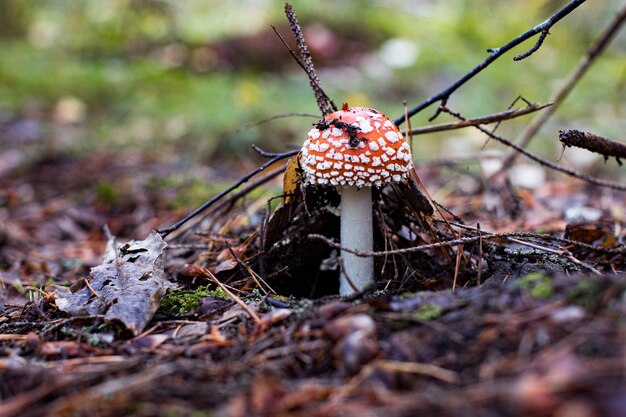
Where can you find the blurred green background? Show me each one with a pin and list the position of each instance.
(186, 78)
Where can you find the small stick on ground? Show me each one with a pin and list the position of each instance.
(480, 255)
(343, 270)
(236, 299)
(457, 267)
(94, 292)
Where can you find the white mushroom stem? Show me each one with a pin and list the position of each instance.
(357, 234)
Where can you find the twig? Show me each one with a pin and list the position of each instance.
(545, 162)
(417, 368)
(167, 230)
(275, 117)
(594, 143)
(491, 118)
(236, 299)
(562, 92)
(457, 267)
(561, 252)
(480, 255)
(463, 240)
(535, 48)
(325, 104)
(495, 54)
(549, 238)
(263, 153)
(345, 274)
(94, 292)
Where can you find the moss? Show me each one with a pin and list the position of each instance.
(183, 302)
(585, 294)
(428, 312)
(106, 192)
(538, 285)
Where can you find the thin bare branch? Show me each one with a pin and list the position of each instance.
(535, 48)
(542, 161)
(325, 104)
(603, 40)
(495, 54)
(491, 118)
(594, 143)
(167, 230)
(268, 119)
(461, 241)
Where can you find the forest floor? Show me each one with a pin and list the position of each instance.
(513, 326)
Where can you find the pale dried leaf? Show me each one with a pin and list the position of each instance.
(126, 287)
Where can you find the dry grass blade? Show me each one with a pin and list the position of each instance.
(418, 368)
(236, 299)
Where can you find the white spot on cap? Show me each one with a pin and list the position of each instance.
(397, 178)
(374, 146)
(314, 134)
(364, 124)
(390, 151)
(324, 146)
(336, 131)
(393, 137)
(376, 162)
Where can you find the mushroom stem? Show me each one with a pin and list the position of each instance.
(356, 234)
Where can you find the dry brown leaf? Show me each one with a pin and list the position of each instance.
(126, 287)
(291, 179)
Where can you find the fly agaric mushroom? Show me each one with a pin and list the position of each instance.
(355, 149)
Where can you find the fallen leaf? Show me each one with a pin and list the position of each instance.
(291, 180)
(126, 287)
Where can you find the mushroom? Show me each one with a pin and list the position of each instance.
(355, 149)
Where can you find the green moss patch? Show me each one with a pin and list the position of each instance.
(538, 285)
(184, 302)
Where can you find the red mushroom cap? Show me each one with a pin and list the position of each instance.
(355, 146)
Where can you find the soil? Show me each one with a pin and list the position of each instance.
(533, 326)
